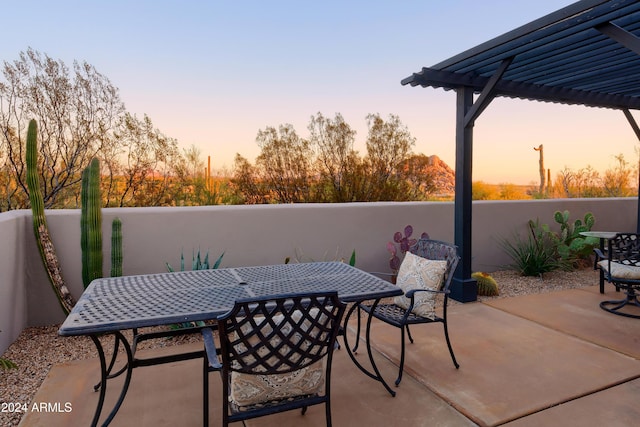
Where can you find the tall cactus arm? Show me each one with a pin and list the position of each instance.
(45, 245)
(116, 248)
(84, 227)
(94, 220)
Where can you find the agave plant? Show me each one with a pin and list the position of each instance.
(7, 364)
(197, 263)
(533, 255)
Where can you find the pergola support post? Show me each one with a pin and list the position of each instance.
(636, 130)
(463, 287)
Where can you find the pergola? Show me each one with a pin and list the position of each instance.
(587, 53)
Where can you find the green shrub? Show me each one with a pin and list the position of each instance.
(533, 255)
(545, 250)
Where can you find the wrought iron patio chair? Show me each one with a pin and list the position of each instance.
(621, 267)
(274, 355)
(417, 305)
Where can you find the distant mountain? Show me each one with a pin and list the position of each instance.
(444, 177)
(431, 175)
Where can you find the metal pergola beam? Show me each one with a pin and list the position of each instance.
(447, 79)
(586, 53)
(487, 94)
(622, 36)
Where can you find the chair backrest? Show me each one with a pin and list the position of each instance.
(625, 249)
(438, 250)
(277, 349)
(280, 335)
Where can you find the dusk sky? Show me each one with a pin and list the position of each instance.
(214, 73)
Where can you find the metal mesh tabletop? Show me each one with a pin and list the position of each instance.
(112, 304)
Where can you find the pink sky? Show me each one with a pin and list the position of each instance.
(214, 73)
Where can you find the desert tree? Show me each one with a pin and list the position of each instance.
(389, 144)
(193, 184)
(246, 184)
(337, 163)
(584, 182)
(616, 181)
(75, 108)
(419, 177)
(284, 164)
(147, 172)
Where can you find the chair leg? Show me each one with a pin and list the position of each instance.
(327, 409)
(402, 344)
(355, 347)
(446, 336)
(205, 393)
(409, 334)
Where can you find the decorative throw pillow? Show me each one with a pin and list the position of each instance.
(420, 273)
(248, 389)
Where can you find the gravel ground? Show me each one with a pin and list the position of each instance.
(37, 349)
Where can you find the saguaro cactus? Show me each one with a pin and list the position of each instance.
(45, 245)
(91, 224)
(542, 170)
(84, 226)
(116, 247)
(91, 228)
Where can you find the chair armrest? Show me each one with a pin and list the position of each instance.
(410, 293)
(210, 349)
(599, 254)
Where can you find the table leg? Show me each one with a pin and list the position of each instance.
(114, 357)
(355, 347)
(600, 269)
(105, 375)
(376, 372)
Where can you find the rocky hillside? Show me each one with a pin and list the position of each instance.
(444, 176)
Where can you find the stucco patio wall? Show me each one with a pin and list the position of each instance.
(14, 309)
(258, 235)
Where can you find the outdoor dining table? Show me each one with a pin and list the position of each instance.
(603, 236)
(110, 306)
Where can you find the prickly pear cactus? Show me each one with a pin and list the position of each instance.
(404, 243)
(572, 245)
(45, 245)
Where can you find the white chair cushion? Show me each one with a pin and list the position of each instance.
(420, 273)
(621, 271)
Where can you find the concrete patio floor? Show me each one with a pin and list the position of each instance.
(538, 360)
